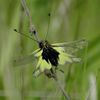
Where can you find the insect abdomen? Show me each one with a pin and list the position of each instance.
(50, 55)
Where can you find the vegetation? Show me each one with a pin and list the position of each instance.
(70, 20)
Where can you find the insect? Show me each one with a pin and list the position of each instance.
(50, 56)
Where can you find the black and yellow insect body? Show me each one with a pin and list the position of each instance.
(49, 54)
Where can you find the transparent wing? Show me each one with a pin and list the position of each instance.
(65, 57)
(72, 47)
(26, 59)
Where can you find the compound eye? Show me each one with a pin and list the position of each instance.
(46, 41)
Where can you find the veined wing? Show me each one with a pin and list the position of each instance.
(26, 59)
(72, 47)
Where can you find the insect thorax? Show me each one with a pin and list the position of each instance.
(44, 44)
(49, 54)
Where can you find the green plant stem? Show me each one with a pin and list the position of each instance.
(32, 29)
(22, 69)
(62, 89)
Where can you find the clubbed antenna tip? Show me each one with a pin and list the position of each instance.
(49, 14)
(15, 30)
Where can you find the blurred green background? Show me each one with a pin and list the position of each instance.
(70, 20)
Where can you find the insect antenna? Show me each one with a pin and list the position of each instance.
(49, 15)
(25, 35)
